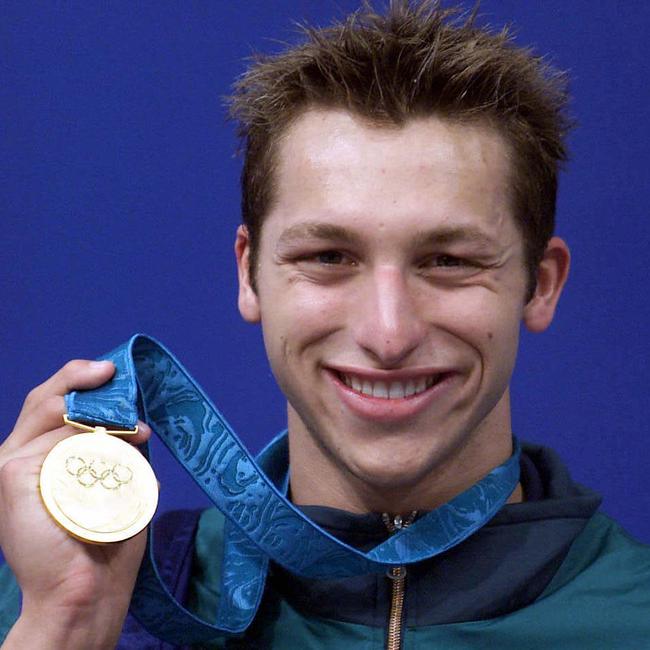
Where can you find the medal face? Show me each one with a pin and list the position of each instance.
(98, 487)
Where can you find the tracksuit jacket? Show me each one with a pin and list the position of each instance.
(551, 572)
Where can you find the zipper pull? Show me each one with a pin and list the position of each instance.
(397, 522)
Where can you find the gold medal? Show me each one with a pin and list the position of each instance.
(98, 487)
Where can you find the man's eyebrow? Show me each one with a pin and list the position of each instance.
(317, 230)
(454, 235)
(440, 236)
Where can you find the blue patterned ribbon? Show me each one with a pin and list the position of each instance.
(262, 524)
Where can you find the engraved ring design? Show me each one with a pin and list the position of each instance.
(96, 471)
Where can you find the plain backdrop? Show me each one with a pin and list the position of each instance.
(119, 202)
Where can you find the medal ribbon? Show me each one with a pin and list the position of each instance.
(261, 524)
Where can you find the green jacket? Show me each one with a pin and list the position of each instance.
(548, 573)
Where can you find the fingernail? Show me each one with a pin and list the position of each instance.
(99, 365)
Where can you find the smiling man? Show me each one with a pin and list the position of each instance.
(391, 282)
(398, 215)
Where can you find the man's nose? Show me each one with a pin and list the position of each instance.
(387, 323)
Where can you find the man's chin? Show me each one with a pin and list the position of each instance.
(417, 476)
(389, 480)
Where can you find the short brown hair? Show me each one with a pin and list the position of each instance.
(415, 59)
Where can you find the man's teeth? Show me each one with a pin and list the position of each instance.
(388, 390)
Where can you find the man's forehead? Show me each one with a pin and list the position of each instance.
(318, 135)
(442, 179)
(427, 159)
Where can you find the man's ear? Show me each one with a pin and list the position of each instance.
(552, 273)
(248, 301)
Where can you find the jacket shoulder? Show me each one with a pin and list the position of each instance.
(606, 554)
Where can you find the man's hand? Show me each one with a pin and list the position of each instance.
(75, 595)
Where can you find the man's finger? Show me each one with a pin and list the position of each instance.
(38, 447)
(144, 433)
(78, 374)
(36, 421)
(44, 407)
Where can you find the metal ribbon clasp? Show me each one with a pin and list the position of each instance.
(98, 428)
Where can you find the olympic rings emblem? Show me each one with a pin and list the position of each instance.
(96, 471)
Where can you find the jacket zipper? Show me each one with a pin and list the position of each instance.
(397, 575)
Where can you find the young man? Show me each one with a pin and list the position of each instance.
(399, 190)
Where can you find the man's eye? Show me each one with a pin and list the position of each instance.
(446, 261)
(329, 257)
(450, 260)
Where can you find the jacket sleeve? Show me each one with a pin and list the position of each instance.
(174, 534)
(9, 601)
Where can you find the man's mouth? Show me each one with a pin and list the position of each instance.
(389, 389)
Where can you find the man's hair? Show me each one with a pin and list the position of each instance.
(416, 59)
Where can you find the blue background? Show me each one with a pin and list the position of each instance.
(119, 202)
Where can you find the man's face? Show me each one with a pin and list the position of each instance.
(390, 288)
